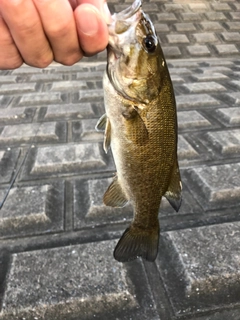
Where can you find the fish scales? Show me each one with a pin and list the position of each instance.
(141, 129)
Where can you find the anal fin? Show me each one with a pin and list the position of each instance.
(114, 196)
(137, 242)
(101, 124)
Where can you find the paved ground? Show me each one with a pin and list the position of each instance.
(57, 238)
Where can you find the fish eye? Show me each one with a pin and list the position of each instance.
(149, 43)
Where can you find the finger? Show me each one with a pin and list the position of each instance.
(92, 29)
(26, 29)
(9, 54)
(101, 5)
(59, 25)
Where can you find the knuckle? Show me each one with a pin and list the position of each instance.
(69, 60)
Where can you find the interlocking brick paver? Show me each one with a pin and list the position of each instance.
(58, 237)
(70, 282)
(216, 186)
(203, 264)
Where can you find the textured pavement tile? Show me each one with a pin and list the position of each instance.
(72, 111)
(89, 209)
(184, 27)
(40, 98)
(16, 115)
(166, 17)
(68, 158)
(177, 38)
(227, 142)
(8, 162)
(173, 52)
(190, 16)
(226, 48)
(192, 119)
(205, 37)
(185, 150)
(8, 79)
(16, 87)
(39, 132)
(201, 265)
(195, 100)
(211, 26)
(231, 36)
(213, 15)
(233, 25)
(234, 97)
(69, 85)
(204, 87)
(215, 187)
(85, 130)
(198, 50)
(32, 210)
(4, 101)
(76, 282)
(229, 116)
(91, 95)
(209, 76)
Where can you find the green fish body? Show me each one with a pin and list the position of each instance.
(141, 129)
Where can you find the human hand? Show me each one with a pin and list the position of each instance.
(39, 31)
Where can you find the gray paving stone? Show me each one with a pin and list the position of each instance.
(233, 26)
(161, 27)
(192, 119)
(88, 131)
(8, 162)
(17, 88)
(171, 51)
(89, 209)
(76, 282)
(201, 265)
(209, 76)
(46, 77)
(26, 70)
(87, 157)
(4, 101)
(185, 150)
(198, 87)
(39, 132)
(165, 16)
(195, 100)
(8, 79)
(215, 187)
(32, 210)
(197, 6)
(221, 7)
(235, 15)
(218, 16)
(211, 26)
(234, 97)
(68, 85)
(231, 36)
(226, 49)
(185, 27)
(16, 115)
(40, 98)
(91, 95)
(214, 69)
(205, 37)
(227, 142)
(91, 74)
(177, 38)
(198, 50)
(190, 16)
(173, 7)
(229, 116)
(71, 111)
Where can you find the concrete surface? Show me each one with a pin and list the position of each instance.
(56, 236)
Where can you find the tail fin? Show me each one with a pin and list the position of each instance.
(136, 242)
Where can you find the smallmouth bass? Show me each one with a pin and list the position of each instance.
(141, 127)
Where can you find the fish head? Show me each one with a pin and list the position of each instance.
(135, 58)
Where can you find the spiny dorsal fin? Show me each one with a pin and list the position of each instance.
(136, 242)
(101, 124)
(174, 192)
(114, 196)
(107, 136)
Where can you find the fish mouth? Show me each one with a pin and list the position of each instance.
(128, 12)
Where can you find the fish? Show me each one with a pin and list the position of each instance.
(140, 127)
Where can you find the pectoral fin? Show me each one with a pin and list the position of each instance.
(174, 192)
(114, 196)
(136, 129)
(101, 124)
(107, 136)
